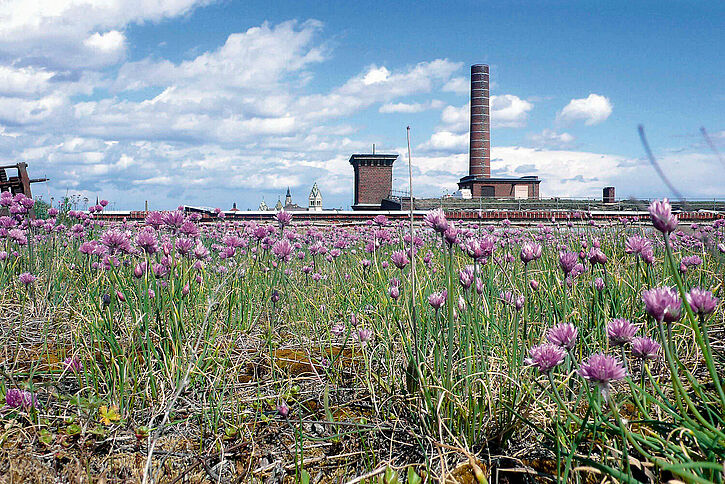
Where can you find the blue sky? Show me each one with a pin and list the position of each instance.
(210, 103)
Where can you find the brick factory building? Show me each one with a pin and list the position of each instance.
(478, 181)
(373, 180)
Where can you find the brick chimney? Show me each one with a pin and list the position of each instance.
(373, 180)
(479, 158)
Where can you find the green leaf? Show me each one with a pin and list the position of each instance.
(326, 404)
(305, 477)
(413, 477)
(46, 437)
(391, 477)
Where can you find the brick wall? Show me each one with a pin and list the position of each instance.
(372, 183)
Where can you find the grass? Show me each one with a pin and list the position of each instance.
(188, 363)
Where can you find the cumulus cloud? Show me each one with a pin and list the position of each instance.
(239, 120)
(78, 33)
(592, 110)
(410, 107)
(550, 139)
(509, 111)
(568, 173)
(458, 85)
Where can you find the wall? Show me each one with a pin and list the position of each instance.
(372, 183)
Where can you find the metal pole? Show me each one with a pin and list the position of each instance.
(412, 246)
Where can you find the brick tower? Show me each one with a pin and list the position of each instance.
(373, 180)
(479, 154)
(478, 181)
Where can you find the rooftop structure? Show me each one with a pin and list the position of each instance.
(373, 179)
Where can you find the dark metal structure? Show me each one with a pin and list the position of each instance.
(20, 183)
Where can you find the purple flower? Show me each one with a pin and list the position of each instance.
(116, 241)
(436, 219)
(663, 304)
(282, 249)
(596, 256)
(519, 303)
(702, 302)
(602, 370)
(530, 252)
(338, 329)
(645, 348)
(364, 335)
(599, 284)
(380, 220)
(26, 278)
(160, 270)
(451, 235)
(648, 255)
(438, 299)
(399, 259)
(184, 246)
(189, 229)
(146, 239)
(545, 357)
(480, 249)
(16, 398)
(661, 214)
(567, 261)
(637, 244)
(173, 219)
(564, 335)
(73, 364)
(691, 261)
(620, 331)
(394, 292)
(534, 284)
(284, 218)
(283, 409)
(466, 277)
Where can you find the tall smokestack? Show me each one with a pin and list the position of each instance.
(479, 161)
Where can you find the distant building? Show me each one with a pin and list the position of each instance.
(315, 202)
(315, 199)
(373, 180)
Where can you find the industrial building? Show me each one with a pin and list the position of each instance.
(373, 180)
(478, 182)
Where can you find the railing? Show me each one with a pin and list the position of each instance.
(563, 204)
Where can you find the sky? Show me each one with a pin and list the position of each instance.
(210, 103)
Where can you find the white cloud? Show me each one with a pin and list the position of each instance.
(377, 84)
(257, 59)
(62, 33)
(550, 139)
(458, 85)
(509, 111)
(23, 81)
(376, 75)
(111, 41)
(592, 110)
(446, 141)
(410, 107)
